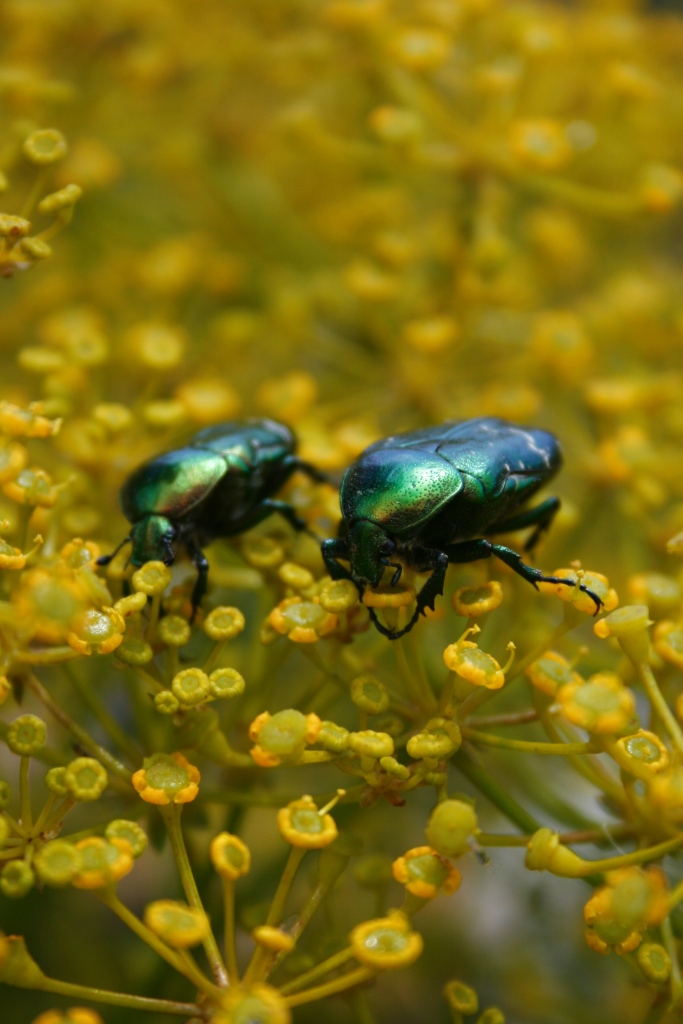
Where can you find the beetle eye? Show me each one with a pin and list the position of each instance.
(388, 547)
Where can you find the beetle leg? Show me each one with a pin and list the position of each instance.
(437, 561)
(311, 471)
(473, 550)
(286, 511)
(201, 563)
(106, 559)
(393, 565)
(541, 517)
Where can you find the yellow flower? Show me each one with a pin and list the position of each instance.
(583, 602)
(539, 145)
(388, 597)
(551, 671)
(259, 1003)
(668, 642)
(282, 737)
(79, 553)
(152, 578)
(208, 399)
(642, 754)
(13, 458)
(387, 943)
(304, 622)
(424, 872)
(273, 939)
(230, 856)
(469, 662)
(223, 623)
(178, 924)
(618, 914)
(32, 487)
(167, 778)
(476, 601)
(302, 824)
(103, 862)
(18, 422)
(74, 1015)
(97, 632)
(600, 704)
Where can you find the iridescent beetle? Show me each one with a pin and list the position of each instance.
(218, 485)
(428, 496)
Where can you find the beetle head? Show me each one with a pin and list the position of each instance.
(152, 537)
(369, 547)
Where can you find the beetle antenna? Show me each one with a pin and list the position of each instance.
(106, 559)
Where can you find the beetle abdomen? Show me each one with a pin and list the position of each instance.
(397, 488)
(172, 484)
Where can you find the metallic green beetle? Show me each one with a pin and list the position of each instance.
(218, 485)
(428, 496)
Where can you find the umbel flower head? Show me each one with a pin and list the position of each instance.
(469, 662)
(166, 779)
(387, 943)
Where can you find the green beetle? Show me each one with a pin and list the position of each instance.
(218, 485)
(428, 496)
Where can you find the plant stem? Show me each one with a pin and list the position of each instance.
(498, 796)
(86, 741)
(660, 706)
(528, 746)
(171, 816)
(130, 1002)
(229, 930)
(25, 794)
(329, 988)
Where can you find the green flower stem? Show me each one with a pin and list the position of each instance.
(296, 855)
(671, 947)
(171, 816)
(260, 959)
(229, 930)
(528, 746)
(32, 197)
(15, 826)
(102, 715)
(675, 896)
(214, 655)
(86, 741)
(410, 642)
(188, 969)
(489, 839)
(316, 757)
(25, 794)
(588, 769)
(659, 704)
(593, 836)
(324, 967)
(466, 762)
(149, 678)
(150, 635)
(417, 687)
(44, 814)
(101, 995)
(625, 860)
(330, 988)
(172, 664)
(496, 721)
(61, 812)
(49, 656)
